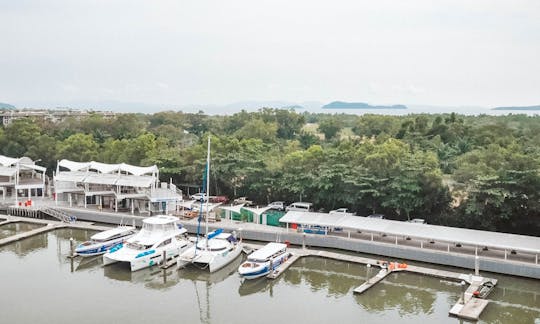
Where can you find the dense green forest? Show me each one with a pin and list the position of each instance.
(476, 172)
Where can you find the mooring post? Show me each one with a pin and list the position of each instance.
(164, 260)
(463, 283)
(72, 247)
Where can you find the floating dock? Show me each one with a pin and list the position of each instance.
(47, 226)
(468, 307)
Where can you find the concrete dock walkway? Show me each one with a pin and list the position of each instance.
(47, 226)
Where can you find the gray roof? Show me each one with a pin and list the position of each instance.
(423, 231)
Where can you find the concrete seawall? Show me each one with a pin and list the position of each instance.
(270, 234)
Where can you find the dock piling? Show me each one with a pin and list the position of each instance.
(72, 247)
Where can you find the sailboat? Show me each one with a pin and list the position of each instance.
(218, 248)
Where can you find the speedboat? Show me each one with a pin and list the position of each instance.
(99, 243)
(145, 249)
(263, 261)
(213, 252)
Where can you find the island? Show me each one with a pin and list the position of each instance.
(5, 106)
(518, 108)
(359, 105)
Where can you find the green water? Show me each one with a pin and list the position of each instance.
(40, 285)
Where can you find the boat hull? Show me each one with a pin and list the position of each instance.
(146, 261)
(97, 249)
(254, 270)
(221, 260)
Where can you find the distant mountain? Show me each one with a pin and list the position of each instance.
(6, 106)
(518, 108)
(359, 105)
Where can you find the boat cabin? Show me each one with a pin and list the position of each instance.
(267, 252)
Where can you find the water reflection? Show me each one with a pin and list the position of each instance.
(11, 229)
(24, 247)
(302, 293)
(337, 278)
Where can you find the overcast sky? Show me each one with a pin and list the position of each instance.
(477, 52)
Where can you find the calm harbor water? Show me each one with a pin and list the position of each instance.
(16, 228)
(40, 285)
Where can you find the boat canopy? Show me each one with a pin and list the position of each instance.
(112, 232)
(267, 251)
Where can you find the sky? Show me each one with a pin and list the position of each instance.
(484, 53)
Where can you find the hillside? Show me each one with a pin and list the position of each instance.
(6, 106)
(359, 105)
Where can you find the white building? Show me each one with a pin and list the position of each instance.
(119, 187)
(21, 178)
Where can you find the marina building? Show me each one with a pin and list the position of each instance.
(118, 187)
(21, 178)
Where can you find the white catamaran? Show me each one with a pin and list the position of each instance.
(217, 249)
(145, 249)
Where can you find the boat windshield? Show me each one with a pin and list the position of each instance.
(136, 246)
(211, 249)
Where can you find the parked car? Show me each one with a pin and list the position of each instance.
(377, 216)
(342, 211)
(199, 196)
(417, 221)
(219, 199)
(300, 206)
(278, 205)
(242, 200)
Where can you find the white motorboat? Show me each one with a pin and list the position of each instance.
(263, 261)
(145, 249)
(217, 249)
(99, 243)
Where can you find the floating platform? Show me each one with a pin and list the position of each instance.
(372, 281)
(284, 266)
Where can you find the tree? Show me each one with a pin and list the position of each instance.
(330, 127)
(78, 147)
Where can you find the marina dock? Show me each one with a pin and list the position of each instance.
(47, 226)
(468, 307)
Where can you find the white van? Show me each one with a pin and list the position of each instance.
(300, 206)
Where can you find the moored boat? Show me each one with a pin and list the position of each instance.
(263, 261)
(145, 249)
(217, 249)
(214, 251)
(99, 243)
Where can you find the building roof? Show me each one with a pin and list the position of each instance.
(422, 231)
(21, 163)
(108, 168)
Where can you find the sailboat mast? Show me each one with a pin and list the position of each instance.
(207, 188)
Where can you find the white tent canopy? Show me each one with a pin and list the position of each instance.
(108, 168)
(257, 211)
(233, 208)
(7, 161)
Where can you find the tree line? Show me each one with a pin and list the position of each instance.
(470, 171)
